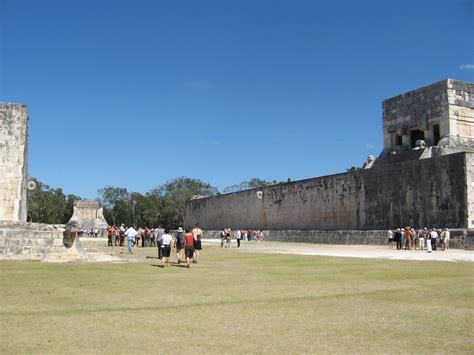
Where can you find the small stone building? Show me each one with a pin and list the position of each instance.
(441, 114)
(89, 215)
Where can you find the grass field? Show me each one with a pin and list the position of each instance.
(235, 302)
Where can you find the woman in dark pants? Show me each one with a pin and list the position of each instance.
(398, 238)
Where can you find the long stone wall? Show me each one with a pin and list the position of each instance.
(13, 161)
(429, 192)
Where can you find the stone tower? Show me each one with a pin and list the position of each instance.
(441, 114)
(13, 161)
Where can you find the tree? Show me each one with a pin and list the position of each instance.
(170, 198)
(247, 185)
(48, 205)
(69, 208)
(116, 203)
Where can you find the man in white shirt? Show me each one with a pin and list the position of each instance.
(166, 240)
(434, 239)
(130, 233)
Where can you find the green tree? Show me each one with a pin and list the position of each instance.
(69, 208)
(47, 205)
(117, 205)
(170, 199)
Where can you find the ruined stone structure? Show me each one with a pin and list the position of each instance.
(13, 161)
(441, 114)
(89, 215)
(20, 240)
(429, 185)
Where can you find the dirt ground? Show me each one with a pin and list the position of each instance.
(354, 251)
(102, 253)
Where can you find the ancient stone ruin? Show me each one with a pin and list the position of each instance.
(89, 215)
(429, 184)
(20, 240)
(13, 161)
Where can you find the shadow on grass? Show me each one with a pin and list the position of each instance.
(173, 264)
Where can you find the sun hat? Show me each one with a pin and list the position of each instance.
(180, 229)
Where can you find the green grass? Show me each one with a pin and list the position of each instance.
(235, 302)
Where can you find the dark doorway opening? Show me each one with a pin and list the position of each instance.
(416, 135)
(398, 140)
(436, 135)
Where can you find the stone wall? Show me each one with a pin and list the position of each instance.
(447, 104)
(13, 161)
(461, 108)
(428, 192)
(470, 188)
(89, 215)
(33, 241)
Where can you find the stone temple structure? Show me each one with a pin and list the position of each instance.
(423, 177)
(89, 215)
(20, 240)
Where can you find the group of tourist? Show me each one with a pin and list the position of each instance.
(91, 233)
(239, 235)
(189, 242)
(411, 239)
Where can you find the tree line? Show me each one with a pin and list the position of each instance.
(163, 205)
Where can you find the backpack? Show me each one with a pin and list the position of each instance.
(180, 239)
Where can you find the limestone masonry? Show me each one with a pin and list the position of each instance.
(20, 240)
(423, 177)
(89, 215)
(13, 161)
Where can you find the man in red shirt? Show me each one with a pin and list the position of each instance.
(188, 246)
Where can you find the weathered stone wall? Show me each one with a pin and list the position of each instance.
(448, 104)
(89, 215)
(470, 188)
(32, 241)
(427, 192)
(461, 108)
(13, 161)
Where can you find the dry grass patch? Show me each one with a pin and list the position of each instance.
(235, 302)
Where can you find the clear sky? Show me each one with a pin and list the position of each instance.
(135, 93)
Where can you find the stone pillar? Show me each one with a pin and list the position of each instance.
(13, 161)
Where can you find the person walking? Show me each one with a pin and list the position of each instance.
(238, 236)
(398, 238)
(189, 246)
(408, 235)
(110, 235)
(130, 233)
(445, 236)
(197, 234)
(228, 238)
(390, 238)
(428, 242)
(159, 233)
(179, 243)
(434, 239)
(223, 235)
(166, 240)
(421, 238)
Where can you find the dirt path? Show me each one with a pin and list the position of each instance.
(354, 251)
(99, 250)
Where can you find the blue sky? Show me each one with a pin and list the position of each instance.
(135, 93)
